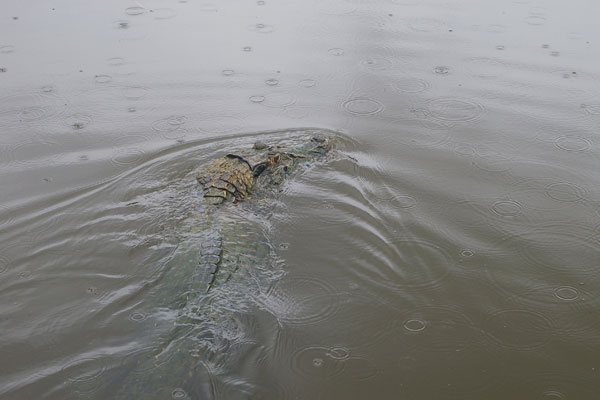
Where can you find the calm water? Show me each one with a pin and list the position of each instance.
(450, 249)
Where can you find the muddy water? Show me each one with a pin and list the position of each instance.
(450, 250)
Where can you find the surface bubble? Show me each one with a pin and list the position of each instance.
(441, 70)
(228, 72)
(363, 106)
(272, 82)
(247, 49)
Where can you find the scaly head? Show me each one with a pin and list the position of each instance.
(235, 175)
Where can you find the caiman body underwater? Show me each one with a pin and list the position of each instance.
(223, 264)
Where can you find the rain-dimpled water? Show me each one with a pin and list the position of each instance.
(447, 246)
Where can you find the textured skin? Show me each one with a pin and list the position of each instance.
(228, 178)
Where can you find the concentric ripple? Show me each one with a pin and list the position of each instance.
(34, 153)
(507, 208)
(136, 10)
(438, 329)
(363, 106)
(315, 362)
(565, 191)
(85, 374)
(573, 143)
(78, 121)
(565, 249)
(33, 107)
(301, 301)
(376, 63)
(130, 156)
(453, 109)
(411, 85)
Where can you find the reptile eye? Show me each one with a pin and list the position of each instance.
(259, 169)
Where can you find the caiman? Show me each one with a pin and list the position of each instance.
(222, 265)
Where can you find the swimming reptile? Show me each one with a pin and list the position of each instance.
(221, 267)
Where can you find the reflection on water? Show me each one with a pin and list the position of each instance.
(449, 250)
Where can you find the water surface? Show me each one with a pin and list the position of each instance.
(451, 249)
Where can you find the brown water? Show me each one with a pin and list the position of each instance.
(450, 251)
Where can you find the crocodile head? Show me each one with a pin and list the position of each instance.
(279, 161)
(233, 177)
